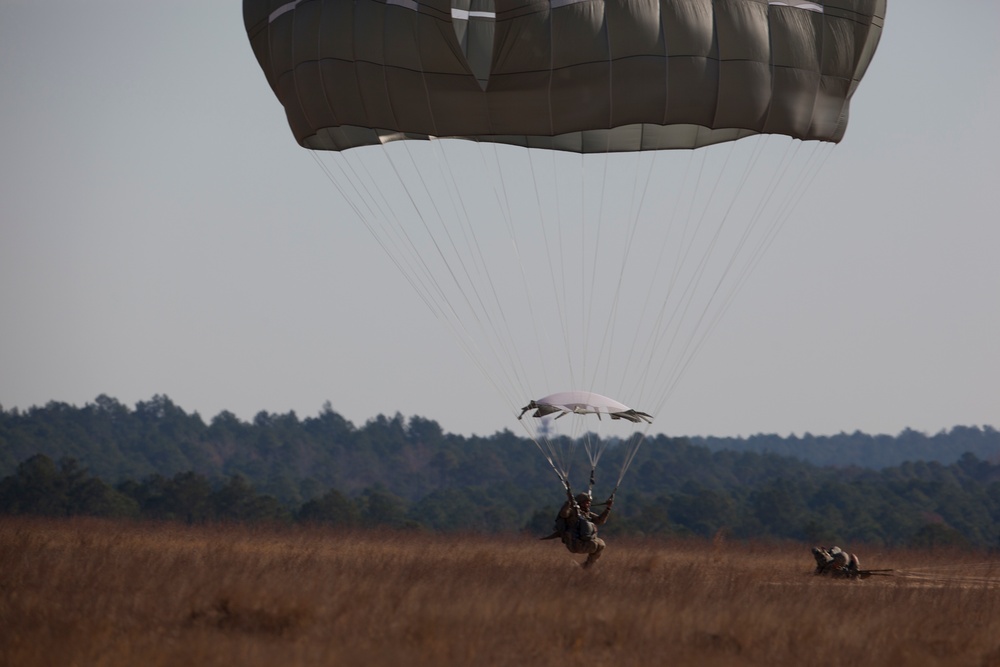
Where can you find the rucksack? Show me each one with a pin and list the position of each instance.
(583, 530)
(562, 528)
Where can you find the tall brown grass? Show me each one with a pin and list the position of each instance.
(91, 592)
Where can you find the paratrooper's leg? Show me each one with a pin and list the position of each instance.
(594, 550)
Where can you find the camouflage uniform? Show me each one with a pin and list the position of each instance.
(583, 539)
(836, 561)
(824, 561)
(845, 562)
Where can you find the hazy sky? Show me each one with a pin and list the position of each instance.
(162, 233)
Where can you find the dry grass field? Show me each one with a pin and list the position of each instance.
(118, 594)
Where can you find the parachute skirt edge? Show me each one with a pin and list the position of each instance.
(624, 139)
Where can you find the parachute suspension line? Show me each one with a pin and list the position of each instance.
(455, 279)
(683, 249)
(584, 237)
(472, 243)
(440, 251)
(558, 460)
(583, 365)
(698, 332)
(701, 332)
(368, 220)
(443, 302)
(806, 177)
(607, 341)
(558, 298)
(398, 230)
(671, 220)
(635, 440)
(557, 451)
(394, 249)
(785, 208)
(785, 205)
(664, 323)
(683, 210)
(515, 392)
(502, 196)
(563, 302)
(591, 377)
(532, 294)
(768, 236)
(562, 448)
(594, 452)
(606, 346)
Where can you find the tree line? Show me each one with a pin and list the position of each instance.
(870, 451)
(158, 462)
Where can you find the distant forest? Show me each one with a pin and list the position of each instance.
(157, 461)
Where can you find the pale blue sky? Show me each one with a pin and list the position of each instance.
(162, 233)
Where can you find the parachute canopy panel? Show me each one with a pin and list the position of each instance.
(583, 403)
(574, 75)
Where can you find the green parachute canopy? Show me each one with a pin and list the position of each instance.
(574, 75)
